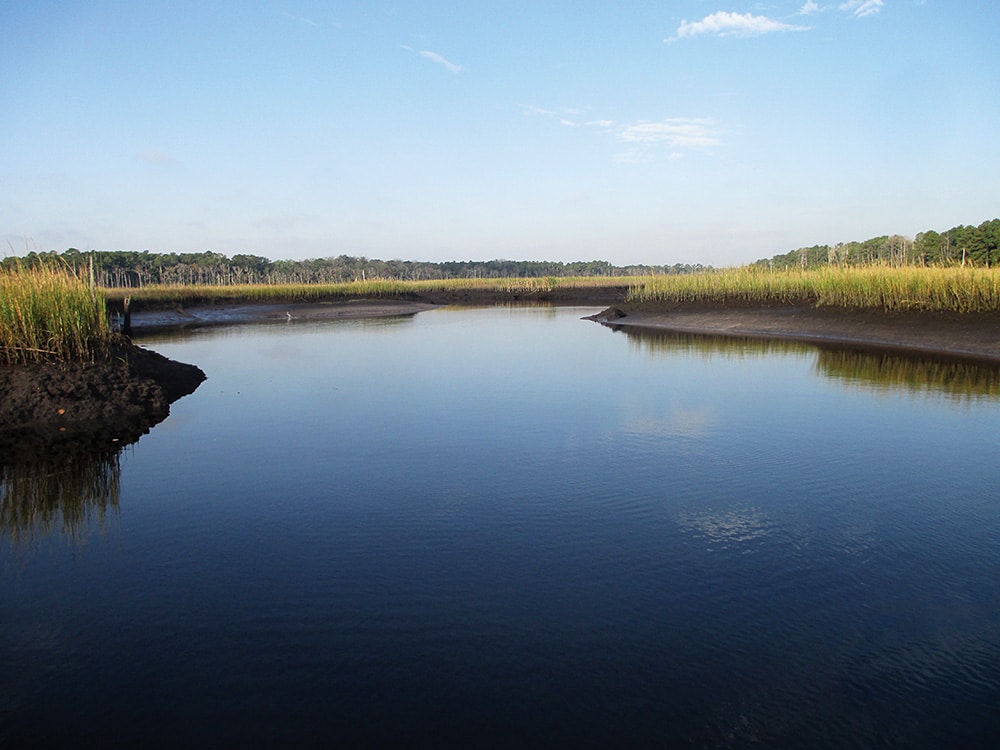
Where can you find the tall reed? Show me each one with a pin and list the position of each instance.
(49, 315)
(963, 290)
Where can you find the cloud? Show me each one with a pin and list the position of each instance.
(435, 57)
(531, 109)
(724, 23)
(645, 138)
(676, 131)
(862, 8)
(155, 157)
(302, 19)
(809, 8)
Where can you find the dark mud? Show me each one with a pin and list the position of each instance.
(973, 336)
(88, 406)
(198, 316)
(145, 317)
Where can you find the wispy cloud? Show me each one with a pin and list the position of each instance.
(152, 156)
(435, 57)
(531, 109)
(646, 139)
(302, 19)
(809, 8)
(724, 23)
(675, 131)
(862, 8)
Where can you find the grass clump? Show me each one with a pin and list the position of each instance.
(49, 315)
(962, 290)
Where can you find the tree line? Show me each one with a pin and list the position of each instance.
(133, 269)
(960, 245)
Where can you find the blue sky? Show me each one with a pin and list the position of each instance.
(688, 131)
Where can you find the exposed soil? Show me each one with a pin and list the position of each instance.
(147, 316)
(52, 407)
(234, 314)
(974, 336)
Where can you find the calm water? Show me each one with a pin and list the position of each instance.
(510, 527)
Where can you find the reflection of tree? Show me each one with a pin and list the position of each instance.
(61, 493)
(867, 368)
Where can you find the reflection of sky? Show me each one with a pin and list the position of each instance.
(681, 422)
(689, 394)
(728, 528)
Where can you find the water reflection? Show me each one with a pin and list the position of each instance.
(883, 371)
(867, 369)
(709, 345)
(62, 493)
(175, 334)
(728, 529)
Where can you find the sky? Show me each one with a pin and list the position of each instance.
(677, 131)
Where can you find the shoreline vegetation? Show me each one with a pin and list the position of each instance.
(49, 315)
(67, 382)
(882, 288)
(885, 288)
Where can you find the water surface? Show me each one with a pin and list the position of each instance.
(506, 526)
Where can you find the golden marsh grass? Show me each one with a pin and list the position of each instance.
(49, 315)
(368, 289)
(963, 290)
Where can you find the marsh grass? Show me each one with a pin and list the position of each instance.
(962, 290)
(369, 289)
(49, 315)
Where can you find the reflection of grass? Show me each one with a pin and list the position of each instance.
(860, 367)
(48, 314)
(58, 494)
(961, 290)
(708, 345)
(373, 289)
(963, 379)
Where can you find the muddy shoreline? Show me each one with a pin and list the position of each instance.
(974, 336)
(48, 410)
(199, 316)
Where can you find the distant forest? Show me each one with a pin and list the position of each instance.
(132, 269)
(961, 245)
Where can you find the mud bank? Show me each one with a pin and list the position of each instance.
(237, 314)
(88, 406)
(152, 315)
(952, 335)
